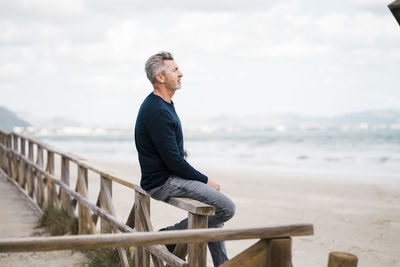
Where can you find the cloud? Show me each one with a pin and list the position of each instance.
(89, 46)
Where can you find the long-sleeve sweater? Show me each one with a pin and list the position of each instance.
(159, 142)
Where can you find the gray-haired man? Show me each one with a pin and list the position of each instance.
(159, 142)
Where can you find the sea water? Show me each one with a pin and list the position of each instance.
(364, 153)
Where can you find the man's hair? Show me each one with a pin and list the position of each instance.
(155, 65)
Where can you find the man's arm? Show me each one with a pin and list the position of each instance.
(162, 133)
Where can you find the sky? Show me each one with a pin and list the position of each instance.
(84, 59)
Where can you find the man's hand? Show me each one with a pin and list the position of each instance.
(214, 185)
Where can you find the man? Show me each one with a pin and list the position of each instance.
(159, 142)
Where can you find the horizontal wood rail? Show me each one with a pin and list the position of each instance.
(30, 165)
(147, 238)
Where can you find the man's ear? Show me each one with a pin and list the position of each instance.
(160, 78)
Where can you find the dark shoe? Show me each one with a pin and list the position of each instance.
(170, 247)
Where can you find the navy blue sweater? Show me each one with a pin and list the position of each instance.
(159, 142)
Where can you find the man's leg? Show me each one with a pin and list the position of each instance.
(218, 250)
(224, 207)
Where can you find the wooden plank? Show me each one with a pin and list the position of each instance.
(342, 259)
(131, 218)
(192, 206)
(107, 174)
(146, 238)
(75, 200)
(162, 253)
(256, 255)
(197, 252)
(156, 261)
(95, 217)
(181, 250)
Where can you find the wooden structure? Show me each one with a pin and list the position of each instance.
(30, 164)
(395, 9)
(342, 259)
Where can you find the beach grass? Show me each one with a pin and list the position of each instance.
(58, 222)
(107, 257)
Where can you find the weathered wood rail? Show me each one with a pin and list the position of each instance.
(30, 164)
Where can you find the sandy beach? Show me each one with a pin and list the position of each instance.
(355, 215)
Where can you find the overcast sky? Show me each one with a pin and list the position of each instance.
(85, 59)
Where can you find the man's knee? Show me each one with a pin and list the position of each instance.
(228, 210)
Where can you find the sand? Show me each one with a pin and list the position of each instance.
(358, 215)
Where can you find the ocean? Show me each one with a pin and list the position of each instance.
(369, 153)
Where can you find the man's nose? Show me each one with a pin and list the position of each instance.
(180, 74)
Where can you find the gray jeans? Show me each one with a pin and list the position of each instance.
(224, 208)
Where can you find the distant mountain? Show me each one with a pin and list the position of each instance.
(376, 117)
(56, 122)
(366, 119)
(9, 120)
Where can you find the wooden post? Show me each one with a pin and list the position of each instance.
(197, 252)
(2, 152)
(86, 225)
(22, 166)
(14, 165)
(280, 252)
(9, 156)
(342, 259)
(51, 187)
(106, 199)
(395, 9)
(30, 180)
(142, 257)
(105, 227)
(40, 186)
(65, 198)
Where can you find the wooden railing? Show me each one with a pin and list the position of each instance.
(30, 164)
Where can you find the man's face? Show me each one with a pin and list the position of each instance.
(172, 75)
